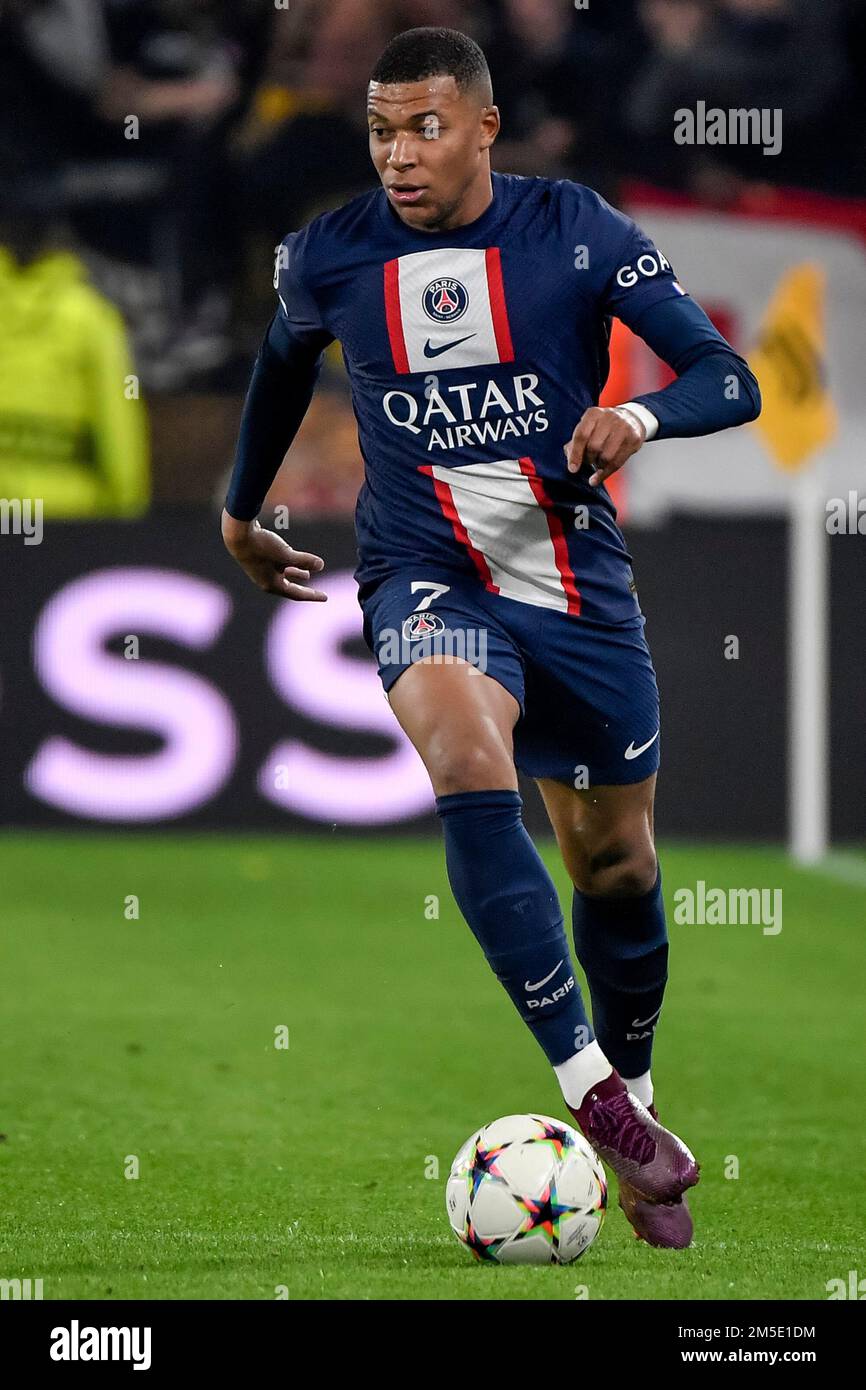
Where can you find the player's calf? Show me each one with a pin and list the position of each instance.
(461, 723)
(506, 895)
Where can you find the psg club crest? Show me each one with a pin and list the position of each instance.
(445, 300)
(419, 625)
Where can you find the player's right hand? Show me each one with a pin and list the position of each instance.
(270, 562)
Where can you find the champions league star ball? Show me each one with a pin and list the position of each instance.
(526, 1190)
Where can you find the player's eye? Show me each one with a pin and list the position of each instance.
(378, 130)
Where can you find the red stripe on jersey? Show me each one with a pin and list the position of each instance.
(449, 510)
(394, 316)
(498, 311)
(557, 535)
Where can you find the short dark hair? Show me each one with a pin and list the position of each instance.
(432, 52)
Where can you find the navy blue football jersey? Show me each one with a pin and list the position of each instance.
(472, 354)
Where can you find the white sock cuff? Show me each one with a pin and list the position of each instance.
(578, 1073)
(642, 1087)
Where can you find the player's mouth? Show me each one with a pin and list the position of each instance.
(406, 192)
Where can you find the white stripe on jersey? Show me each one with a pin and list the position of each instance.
(504, 522)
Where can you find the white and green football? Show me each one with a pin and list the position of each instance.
(526, 1189)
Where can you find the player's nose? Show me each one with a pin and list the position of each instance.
(402, 153)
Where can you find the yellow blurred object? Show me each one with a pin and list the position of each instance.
(272, 105)
(73, 430)
(798, 417)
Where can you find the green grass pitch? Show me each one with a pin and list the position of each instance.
(308, 1168)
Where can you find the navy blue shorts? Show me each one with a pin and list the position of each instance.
(587, 692)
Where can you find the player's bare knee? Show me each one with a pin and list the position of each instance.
(619, 869)
(458, 767)
(636, 877)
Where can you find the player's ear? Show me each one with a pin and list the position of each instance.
(489, 126)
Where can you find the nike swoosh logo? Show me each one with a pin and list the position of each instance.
(639, 1022)
(530, 987)
(632, 752)
(430, 351)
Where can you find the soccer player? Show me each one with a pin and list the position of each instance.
(474, 310)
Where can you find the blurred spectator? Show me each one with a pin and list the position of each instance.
(767, 54)
(53, 59)
(528, 47)
(184, 69)
(124, 106)
(72, 428)
(303, 145)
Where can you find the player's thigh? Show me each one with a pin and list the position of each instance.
(452, 674)
(605, 834)
(461, 723)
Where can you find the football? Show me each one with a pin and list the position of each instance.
(526, 1189)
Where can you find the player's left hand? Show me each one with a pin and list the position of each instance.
(605, 437)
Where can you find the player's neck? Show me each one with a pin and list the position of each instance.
(476, 202)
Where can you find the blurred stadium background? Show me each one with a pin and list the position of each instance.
(152, 154)
(135, 283)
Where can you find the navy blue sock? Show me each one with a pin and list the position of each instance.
(509, 900)
(622, 944)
